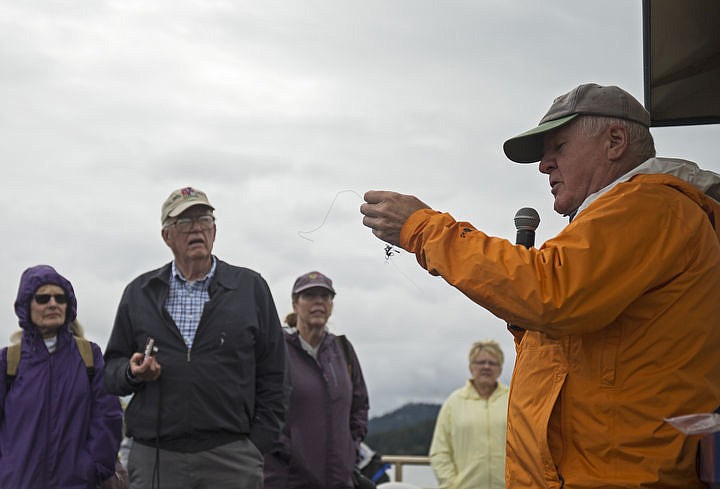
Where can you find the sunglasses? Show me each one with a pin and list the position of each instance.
(45, 298)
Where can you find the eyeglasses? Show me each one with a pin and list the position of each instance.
(45, 298)
(185, 224)
(482, 363)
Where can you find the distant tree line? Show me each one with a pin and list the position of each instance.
(405, 431)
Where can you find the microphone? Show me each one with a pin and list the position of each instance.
(527, 221)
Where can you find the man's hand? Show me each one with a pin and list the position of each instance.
(386, 212)
(144, 369)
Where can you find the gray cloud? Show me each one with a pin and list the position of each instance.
(276, 109)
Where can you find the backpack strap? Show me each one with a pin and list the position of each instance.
(346, 350)
(86, 353)
(13, 360)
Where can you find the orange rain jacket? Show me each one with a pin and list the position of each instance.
(623, 328)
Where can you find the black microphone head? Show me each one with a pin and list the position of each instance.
(527, 218)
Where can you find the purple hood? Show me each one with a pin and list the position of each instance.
(32, 279)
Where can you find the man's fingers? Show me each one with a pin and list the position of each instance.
(373, 203)
(385, 213)
(367, 211)
(373, 196)
(379, 196)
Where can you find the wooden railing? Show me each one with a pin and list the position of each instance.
(399, 461)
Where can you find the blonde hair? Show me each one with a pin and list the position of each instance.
(490, 346)
(16, 337)
(76, 329)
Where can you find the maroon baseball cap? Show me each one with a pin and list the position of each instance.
(312, 279)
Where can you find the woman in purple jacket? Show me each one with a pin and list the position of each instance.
(328, 412)
(59, 429)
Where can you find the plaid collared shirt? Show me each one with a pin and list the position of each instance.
(186, 301)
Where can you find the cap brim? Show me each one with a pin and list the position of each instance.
(528, 146)
(299, 289)
(185, 206)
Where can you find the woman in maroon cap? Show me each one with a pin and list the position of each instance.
(328, 412)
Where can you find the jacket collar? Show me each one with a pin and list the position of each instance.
(705, 181)
(223, 277)
(471, 393)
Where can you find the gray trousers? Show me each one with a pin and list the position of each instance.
(237, 465)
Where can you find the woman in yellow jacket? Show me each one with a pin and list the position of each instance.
(468, 446)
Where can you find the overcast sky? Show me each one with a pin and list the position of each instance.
(285, 112)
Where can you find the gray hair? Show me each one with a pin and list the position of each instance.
(640, 141)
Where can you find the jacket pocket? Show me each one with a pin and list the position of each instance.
(608, 356)
(539, 376)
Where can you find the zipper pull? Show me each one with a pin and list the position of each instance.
(188, 355)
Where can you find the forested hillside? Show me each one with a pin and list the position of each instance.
(405, 431)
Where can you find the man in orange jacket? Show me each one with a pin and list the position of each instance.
(621, 331)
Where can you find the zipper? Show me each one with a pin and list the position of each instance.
(48, 406)
(331, 368)
(488, 439)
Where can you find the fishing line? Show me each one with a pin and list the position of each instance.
(389, 249)
(301, 233)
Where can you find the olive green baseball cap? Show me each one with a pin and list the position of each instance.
(587, 99)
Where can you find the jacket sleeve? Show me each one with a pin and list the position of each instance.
(360, 405)
(441, 452)
(577, 282)
(119, 349)
(3, 380)
(276, 468)
(272, 382)
(105, 429)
